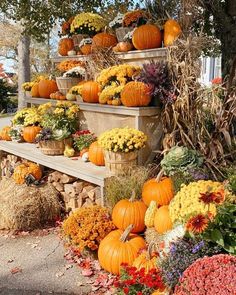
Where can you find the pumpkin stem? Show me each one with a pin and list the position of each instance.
(126, 233)
(150, 250)
(133, 196)
(159, 175)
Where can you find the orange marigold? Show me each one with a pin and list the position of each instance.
(132, 17)
(197, 224)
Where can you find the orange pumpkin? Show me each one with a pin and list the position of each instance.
(136, 94)
(146, 37)
(86, 49)
(104, 40)
(119, 247)
(90, 92)
(147, 259)
(162, 220)
(129, 211)
(30, 133)
(46, 87)
(57, 95)
(160, 292)
(65, 45)
(124, 46)
(22, 171)
(172, 30)
(4, 134)
(160, 191)
(35, 90)
(96, 155)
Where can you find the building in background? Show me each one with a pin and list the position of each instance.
(211, 69)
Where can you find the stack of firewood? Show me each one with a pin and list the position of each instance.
(76, 193)
(8, 163)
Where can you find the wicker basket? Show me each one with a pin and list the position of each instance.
(78, 38)
(121, 32)
(64, 84)
(54, 147)
(117, 162)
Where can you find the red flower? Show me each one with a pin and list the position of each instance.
(213, 197)
(197, 224)
(126, 290)
(139, 293)
(217, 80)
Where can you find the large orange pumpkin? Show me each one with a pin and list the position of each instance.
(162, 220)
(96, 155)
(22, 171)
(90, 92)
(65, 45)
(30, 133)
(129, 211)
(146, 37)
(136, 94)
(172, 30)
(46, 87)
(104, 40)
(160, 191)
(86, 49)
(119, 247)
(4, 134)
(147, 259)
(35, 90)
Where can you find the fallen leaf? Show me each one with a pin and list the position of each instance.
(79, 284)
(87, 272)
(10, 260)
(68, 266)
(16, 270)
(59, 274)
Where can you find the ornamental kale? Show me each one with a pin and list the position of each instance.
(182, 254)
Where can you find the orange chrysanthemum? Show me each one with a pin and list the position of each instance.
(197, 224)
(212, 197)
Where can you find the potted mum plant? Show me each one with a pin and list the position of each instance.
(58, 124)
(86, 25)
(27, 86)
(121, 146)
(82, 140)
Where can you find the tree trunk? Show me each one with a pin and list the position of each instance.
(23, 67)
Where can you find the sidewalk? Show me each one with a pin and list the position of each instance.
(32, 265)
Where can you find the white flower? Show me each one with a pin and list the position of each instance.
(128, 36)
(117, 21)
(75, 72)
(85, 41)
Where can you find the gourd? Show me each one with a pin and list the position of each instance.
(65, 45)
(146, 37)
(4, 134)
(150, 214)
(104, 40)
(96, 155)
(58, 96)
(46, 87)
(22, 171)
(124, 46)
(162, 220)
(90, 92)
(147, 259)
(119, 247)
(30, 133)
(35, 90)
(86, 49)
(136, 94)
(172, 30)
(160, 191)
(129, 211)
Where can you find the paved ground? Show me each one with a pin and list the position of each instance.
(41, 265)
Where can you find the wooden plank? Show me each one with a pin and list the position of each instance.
(76, 168)
(140, 54)
(100, 108)
(58, 59)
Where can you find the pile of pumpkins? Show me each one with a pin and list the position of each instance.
(131, 217)
(146, 36)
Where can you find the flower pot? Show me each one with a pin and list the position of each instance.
(121, 32)
(77, 38)
(116, 163)
(65, 83)
(54, 147)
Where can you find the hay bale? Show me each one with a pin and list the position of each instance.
(27, 208)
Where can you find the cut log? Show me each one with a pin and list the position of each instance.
(67, 179)
(98, 201)
(88, 188)
(87, 203)
(79, 201)
(91, 195)
(56, 176)
(69, 188)
(78, 185)
(83, 195)
(66, 197)
(58, 186)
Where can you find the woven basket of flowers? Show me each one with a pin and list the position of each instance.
(64, 84)
(78, 38)
(121, 146)
(54, 147)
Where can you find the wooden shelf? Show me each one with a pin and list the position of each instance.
(77, 168)
(148, 53)
(58, 59)
(100, 108)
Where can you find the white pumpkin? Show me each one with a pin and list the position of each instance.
(70, 96)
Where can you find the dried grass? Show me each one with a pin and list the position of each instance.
(185, 121)
(27, 208)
